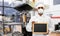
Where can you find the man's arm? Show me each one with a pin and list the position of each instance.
(50, 26)
(29, 25)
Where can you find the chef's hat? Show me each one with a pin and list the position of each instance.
(40, 4)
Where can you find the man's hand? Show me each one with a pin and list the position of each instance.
(49, 32)
(33, 22)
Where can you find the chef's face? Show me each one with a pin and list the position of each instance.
(40, 10)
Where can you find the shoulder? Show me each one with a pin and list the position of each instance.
(33, 18)
(48, 17)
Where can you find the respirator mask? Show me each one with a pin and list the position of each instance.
(41, 11)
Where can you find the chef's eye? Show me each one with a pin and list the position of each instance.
(38, 7)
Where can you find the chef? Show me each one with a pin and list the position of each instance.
(40, 17)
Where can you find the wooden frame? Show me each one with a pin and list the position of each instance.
(39, 32)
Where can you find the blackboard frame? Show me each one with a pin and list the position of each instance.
(39, 32)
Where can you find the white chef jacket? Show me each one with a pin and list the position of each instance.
(44, 18)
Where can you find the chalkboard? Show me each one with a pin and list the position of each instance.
(40, 27)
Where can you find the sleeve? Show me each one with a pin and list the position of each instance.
(29, 25)
(50, 26)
